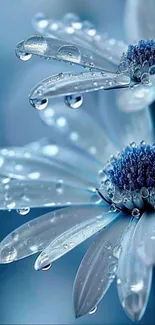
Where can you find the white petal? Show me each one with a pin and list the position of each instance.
(20, 164)
(145, 238)
(139, 19)
(81, 33)
(64, 84)
(78, 162)
(124, 127)
(133, 277)
(90, 135)
(80, 228)
(36, 234)
(18, 194)
(97, 270)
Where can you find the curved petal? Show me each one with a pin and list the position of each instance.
(20, 164)
(76, 160)
(124, 128)
(64, 84)
(145, 239)
(89, 135)
(133, 277)
(81, 33)
(139, 19)
(80, 228)
(36, 234)
(97, 270)
(17, 194)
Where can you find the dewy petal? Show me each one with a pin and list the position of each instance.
(139, 19)
(17, 194)
(20, 164)
(81, 33)
(98, 267)
(145, 238)
(79, 228)
(133, 277)
(36, 234)
(78, 162)
(64, 84)
(78, 129)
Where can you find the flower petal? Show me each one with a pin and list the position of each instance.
(17, 194)
(82, 33)
(36, 234)
(142, 15)
(98, 267)
(133, 277)
(145, 238)
(90, 135)
(20, 164)
(64, 84)
(81, 227)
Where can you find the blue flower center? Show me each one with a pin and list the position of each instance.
(139, 61)
(134, 168)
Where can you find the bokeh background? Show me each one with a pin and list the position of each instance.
(27, 296)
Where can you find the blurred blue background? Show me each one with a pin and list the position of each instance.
(27, 296)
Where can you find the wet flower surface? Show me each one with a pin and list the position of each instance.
(111, 63)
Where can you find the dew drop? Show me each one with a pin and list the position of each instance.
(74, 101)
(145, 78)
(124, 65)
(23, 56)
(8, 254)
(39, 104)
(40, 21)
(122, 79)
(93, 311)
(135, 213)
(89, 28)
(69, 53)
(23, 211)
(47, 267)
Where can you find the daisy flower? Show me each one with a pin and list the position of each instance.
(111, 64)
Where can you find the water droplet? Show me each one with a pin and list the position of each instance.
(47, 267)
(8, 254)
(133, 145)
(15, 236)
(23, 56)
(145, 78)
(23, 211)
(113, 208)
(93, 311)
(59, 186)
(61, 122)
(69, 53)
(74, 101)
(11, 205)
(34, 175)
(135, 213)
(89, 28)
(39, 104)
(122, 79)
(123, 66)
(144, 192)
(95, 198)
(40, 21)
(137, 73)
(152, 70)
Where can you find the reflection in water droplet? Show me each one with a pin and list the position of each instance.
(74, 101)
(93, 311)
(47, 267)
(39, 104)
(23, 56)
(23, 212)
(69, 53)
(8, 254)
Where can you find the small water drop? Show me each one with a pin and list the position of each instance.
(113, 208)
(40, 21)
(23, 56)
(47, 267)
(69, 53)
(23, 211)
(93, 311)
(59, 186)
(122, 79)
(8, 254)
(89, 28)
(74, 101)
(39, 104)
(145, 78)
(144, 192)
(135, 213)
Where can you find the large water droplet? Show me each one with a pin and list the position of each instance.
(122, 79)
(8, 254)
(69, 53)
(23, 211)
(93, 311)
(39, 104)
(74, 101)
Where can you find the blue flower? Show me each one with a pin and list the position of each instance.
(111, 64)
(118, 203)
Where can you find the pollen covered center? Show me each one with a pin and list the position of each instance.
(129, 177)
